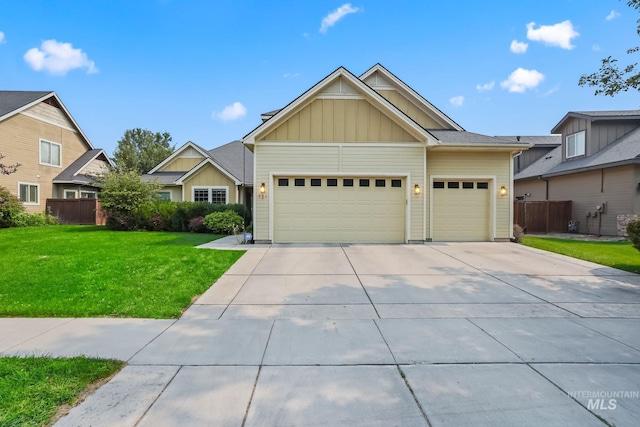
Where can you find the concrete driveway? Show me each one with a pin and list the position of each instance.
(372, 335)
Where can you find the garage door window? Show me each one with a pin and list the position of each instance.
(299, 182)
(482, 185)
(396, 183)
(364, 183)
(438, 184)
(467, 185)
(316, 182)
(453, 185)
(332, 182)
(347, 182)
(381, 183)
(283, 182)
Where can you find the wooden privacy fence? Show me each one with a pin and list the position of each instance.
(76, 211)
(542, 217)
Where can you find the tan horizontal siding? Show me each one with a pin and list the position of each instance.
(20, 142)
(477, 163)
(536, 187)
(51, 114)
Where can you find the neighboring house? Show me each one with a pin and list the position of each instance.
(57, 159)
(597, 167)
(368, 159)
(540, 146)
(192, 174)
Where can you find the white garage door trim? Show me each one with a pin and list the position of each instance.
(406, 176)
(492, 198)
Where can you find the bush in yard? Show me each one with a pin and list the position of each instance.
(186, 211)
(227, 222)
(518, 232)
(156, 223)
(34, 220)
(196, 225)
(633, 230)
(124, 198)
(10, 208)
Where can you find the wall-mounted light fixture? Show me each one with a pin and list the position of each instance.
(416, 190)
(263, 190)
(503, 191)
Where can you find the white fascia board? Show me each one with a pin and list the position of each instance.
(208, 160)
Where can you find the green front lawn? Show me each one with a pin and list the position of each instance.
(32, 389)
(620, 255)
(87, 271)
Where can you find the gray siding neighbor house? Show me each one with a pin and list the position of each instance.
(596, 166)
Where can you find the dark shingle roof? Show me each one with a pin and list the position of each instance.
(624, 150)
(467, 138)
(69, 174)
(166, 178)
(236, 159)
(12, 100)
(611, 113)
(536, 140)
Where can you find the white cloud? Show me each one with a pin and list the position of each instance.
(521, 80)
(485, 87)
(2, 40)
(612, 15)
(552, 90)
(457, 101)
(559, 35)
(331, 19)
(596, 48)
(290, 75)
(58, 58)
(518, 47)
(231, 112)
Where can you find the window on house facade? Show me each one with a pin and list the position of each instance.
(162, 195)
(216, 195)
(29, 193)
(49, 153)
(69, 194)
(575, 144)
(90, 195)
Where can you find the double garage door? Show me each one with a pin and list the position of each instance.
(320, 209)
(461, 210)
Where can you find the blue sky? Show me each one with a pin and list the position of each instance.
(205, 70)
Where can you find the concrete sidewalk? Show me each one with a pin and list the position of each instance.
(440, 334)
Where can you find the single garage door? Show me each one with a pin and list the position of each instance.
(461, 210)
(339, 210)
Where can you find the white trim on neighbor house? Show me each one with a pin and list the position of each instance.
(371, 95)
(197, 167)
(406, 176)
(51, 143)
(426, 105)
(30, 184)
(210, 190)
(492, 198)
(94, 193)
(177, 153)
(74, 194)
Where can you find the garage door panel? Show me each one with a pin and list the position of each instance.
(341, 214)
(461, 214)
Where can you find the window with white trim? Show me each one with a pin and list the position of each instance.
(217, 195)
(29, 193)
(50, 153)
(88, 195)
(575, 144)
(69, 194)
